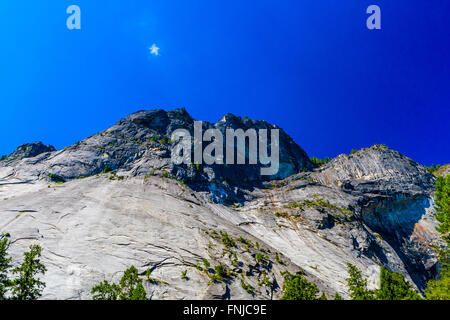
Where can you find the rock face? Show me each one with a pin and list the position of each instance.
(140, 144)
(394, 199)
(123, 202)
(29, 150)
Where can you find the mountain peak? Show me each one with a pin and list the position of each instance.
(30, 150)
(375, 165)
(141, 143)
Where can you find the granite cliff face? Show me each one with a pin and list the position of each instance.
(116, 199)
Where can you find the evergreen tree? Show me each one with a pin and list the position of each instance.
(442, 202)
(433, 168)
(27, 286)
(440, 289)
(394, 287)
(4, 266)
(337, 296)
(139, 293)
(296, 287)
(316, 161)
(320, 162)
(323, 297)
(357, 285)
(105, 291)
(130, 287)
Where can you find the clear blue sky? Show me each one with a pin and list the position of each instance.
(310, 66)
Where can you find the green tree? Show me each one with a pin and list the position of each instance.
(4, 266)
(442, 202)
(394, 287)
(27, 286)
(433, 168)
(357, 285)
(221, 271)
(139, 292)
(296, 287)
(337, 296)
(316, 161)
(105, 291)
(320, 162)
(439, 289)
(323, 297)
(130, 287)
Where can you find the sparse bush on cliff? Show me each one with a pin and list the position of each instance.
(433, 168)
(129, 288)
(227, 241)
(106, 169)
(320, 162)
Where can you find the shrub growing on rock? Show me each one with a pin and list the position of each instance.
(129, 288)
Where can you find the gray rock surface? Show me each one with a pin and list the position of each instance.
(28, 150)
(372, 208)
(444, 170)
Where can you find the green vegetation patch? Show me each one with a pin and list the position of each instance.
(130, 287)
(318, 203)
(296, 287)
(320, 162)
(26, 284)
(392, 286)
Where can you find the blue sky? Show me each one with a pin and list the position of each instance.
(312, 67)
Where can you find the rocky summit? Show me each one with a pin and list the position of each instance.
(116, 199)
